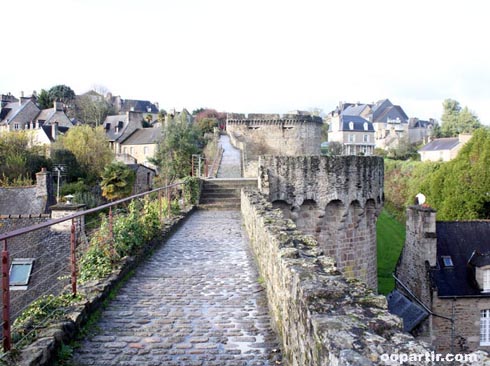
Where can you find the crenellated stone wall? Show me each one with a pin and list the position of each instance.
(260, 134)
(321, 317)
(335, 200)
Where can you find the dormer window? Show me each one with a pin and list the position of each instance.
(365, 126)
(351, 125)
(447, 261)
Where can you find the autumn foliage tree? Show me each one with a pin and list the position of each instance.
(90, 147)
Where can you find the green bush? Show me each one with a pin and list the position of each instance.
(191, 190)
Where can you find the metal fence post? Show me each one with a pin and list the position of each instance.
(160, 213)
(7, 337)
(73, 258)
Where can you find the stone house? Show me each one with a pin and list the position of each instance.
(355, 133)
(142, 144)
(446, 267)
(144, 178)
(443, 149)
(45, 126)
(119, 127)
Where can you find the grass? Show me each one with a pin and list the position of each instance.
(391, 237)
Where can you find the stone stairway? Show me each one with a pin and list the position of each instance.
(224, 193)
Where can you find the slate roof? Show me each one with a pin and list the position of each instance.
(354, 110)
(144, 136)
(45, 114)
(138, 106)
(9, 111)
(21, 201)
(447, 143)
(136, 167)
(110, 124)
(358, 124)
(411, 313)
(459, 240)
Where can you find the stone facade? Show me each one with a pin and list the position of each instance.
(288, 135)
(466, 313)
(322, 317)
(335, 200)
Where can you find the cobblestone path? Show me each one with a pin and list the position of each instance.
(231, 161)
(196, 301)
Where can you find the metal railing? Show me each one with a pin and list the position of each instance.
(55, 253)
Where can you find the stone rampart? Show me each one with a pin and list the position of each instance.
(322, 318)
(335, 200)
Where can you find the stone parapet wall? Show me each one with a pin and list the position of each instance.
(321, 317)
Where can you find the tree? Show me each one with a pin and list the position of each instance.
(173, 157)
(211, 113)
(43, 99)
(92, 108)
(19, 159)
(456, 120)
(62, 93)
(90, 147)
(117, 181)
(334, 148)
(460, 189)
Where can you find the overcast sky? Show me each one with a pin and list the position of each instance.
(254, 55)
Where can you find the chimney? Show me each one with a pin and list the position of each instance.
(44, 188)
(22, 94)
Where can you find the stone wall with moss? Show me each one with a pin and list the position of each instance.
(322, 317)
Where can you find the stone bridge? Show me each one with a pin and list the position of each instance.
(248, 288)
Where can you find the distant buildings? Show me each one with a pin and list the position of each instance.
(443, 149)
(390, 125)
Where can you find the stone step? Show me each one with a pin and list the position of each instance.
(205, 200)
(219, 206)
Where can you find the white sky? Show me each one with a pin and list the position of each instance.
(254, 55)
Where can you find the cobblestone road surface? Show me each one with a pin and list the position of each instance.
(231, 161)
(197, 301)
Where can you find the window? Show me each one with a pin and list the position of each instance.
(485, 327)
(20, 271)
(16, 126)
(145, 150)
(352, 138)
(447, 261)
(131, 151)
(486, 280)
(365, 126)
(351, 125)
(366, 138)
